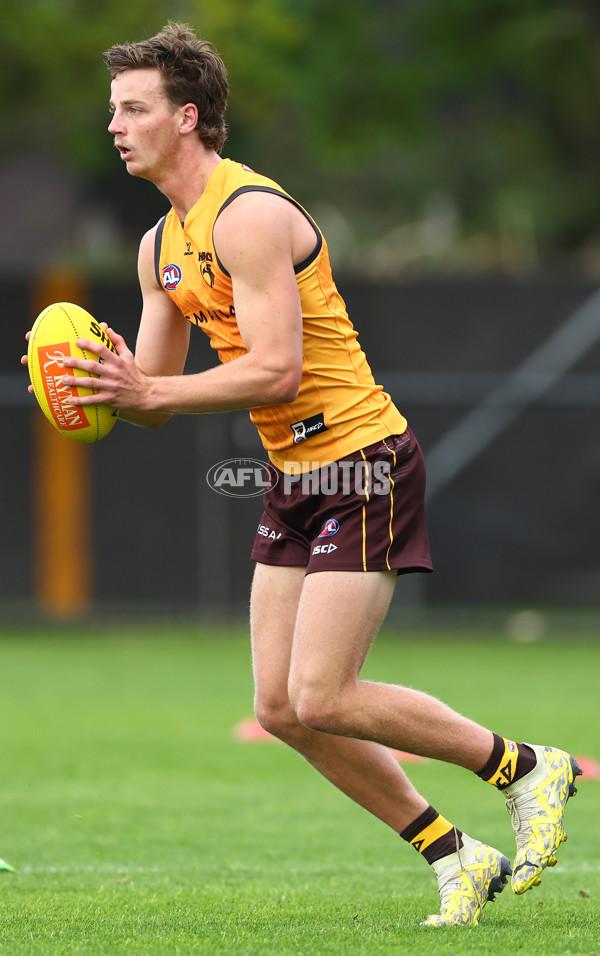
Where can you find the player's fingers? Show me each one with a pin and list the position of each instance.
(24, 360)
(79, 399)
(68, 380)
(84, 365)
(28, 335)
(83, 399)
(80, 380)
(96, 347)
(118, 341)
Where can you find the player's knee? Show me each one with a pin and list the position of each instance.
(315, 706)
(276, 717)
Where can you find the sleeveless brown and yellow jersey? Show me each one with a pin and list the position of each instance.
(339, 408)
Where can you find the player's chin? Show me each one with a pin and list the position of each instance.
(140, 172)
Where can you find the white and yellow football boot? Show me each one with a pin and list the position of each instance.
(536, 804)
(467, 879)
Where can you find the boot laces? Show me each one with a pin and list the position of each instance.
(450, 882)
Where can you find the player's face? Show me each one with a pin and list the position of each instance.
(144, 124)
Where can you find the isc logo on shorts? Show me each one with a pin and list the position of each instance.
(324, 548)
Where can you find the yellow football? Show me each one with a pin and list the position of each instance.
(53, 336)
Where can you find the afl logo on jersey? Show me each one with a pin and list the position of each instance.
(171, 276)
(330, 527)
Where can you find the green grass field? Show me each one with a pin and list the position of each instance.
(138, 824)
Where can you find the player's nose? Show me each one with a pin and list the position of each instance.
(115, 124)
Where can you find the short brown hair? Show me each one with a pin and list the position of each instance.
(192, 72)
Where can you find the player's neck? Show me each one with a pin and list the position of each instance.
(184, 184)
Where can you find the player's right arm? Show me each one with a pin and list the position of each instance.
(163, 336)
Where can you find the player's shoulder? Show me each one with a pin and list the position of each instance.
(267, 219)
(249, 197)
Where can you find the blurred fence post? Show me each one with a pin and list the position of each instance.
(63, 554)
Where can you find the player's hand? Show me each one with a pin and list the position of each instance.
(118, 381)
(24, 362)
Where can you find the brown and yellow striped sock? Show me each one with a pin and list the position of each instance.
(508, 762)
(432, 836)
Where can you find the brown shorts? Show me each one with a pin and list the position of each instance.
(364, 512)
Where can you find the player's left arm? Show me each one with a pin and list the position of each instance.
(254, 239)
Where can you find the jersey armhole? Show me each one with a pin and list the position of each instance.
(157, 247)
(300, 266)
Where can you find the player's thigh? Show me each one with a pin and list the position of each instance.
(338, 617)
(273, 605)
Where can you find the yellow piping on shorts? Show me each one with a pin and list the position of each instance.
(364, 515)
(387, 555)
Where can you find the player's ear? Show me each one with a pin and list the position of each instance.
(189, 118)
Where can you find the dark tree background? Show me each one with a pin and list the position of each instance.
(428, 135)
